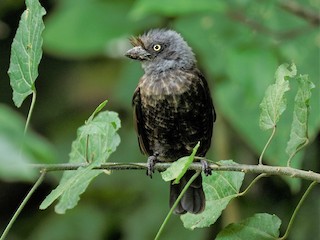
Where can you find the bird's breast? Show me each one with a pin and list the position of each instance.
(166, 83)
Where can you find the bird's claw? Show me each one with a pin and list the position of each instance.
(152, 160)
(206, 168)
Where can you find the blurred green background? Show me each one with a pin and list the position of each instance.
(238, 44)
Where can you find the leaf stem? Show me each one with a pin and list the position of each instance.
(175, 204)
(252, 183)
(25, 200)
(297, 150)
(267, 145)
(33, 101)
(306, 193)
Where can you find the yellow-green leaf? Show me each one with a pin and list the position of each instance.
(299, 127)
(179, 167)
(274, 102)
(95, 142)
(26, 52)
(261, 226)
(219, 188)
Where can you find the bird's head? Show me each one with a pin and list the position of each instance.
(161, 50)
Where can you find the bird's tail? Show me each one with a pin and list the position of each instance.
(193, 200)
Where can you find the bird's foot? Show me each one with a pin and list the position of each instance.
(152, 160)
(206, 168)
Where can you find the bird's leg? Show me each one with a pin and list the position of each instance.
(152, 160)
(206, 168)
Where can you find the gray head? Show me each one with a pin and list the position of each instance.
(161, 50)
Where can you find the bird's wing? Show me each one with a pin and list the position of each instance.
(138, 122)
(197, 124)
(207, 93)
(209, 114)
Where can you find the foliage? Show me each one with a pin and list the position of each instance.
(178, 169)
(96, 140)
(261, 226)
(274, 103)
(26, 52)
(239, 44)
(220, 188)
(299, 128)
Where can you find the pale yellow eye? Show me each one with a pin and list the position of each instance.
(157, 47)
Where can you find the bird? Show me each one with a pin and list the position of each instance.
(172, 109)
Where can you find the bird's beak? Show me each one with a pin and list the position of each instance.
(138, 53)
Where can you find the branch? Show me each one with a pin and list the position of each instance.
(269, 170)
(307, 14)
(239, 16)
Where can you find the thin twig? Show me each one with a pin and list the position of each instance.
(176, 203)
(33, 102)
(297, 150)
(25, 200)
(252, 183)
(257, 169)
(297, 209)
(299, 10)
(267, 145)
(239, 16)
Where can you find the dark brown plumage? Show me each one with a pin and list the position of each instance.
(173, 109)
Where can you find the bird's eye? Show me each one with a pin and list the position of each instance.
(157, 47)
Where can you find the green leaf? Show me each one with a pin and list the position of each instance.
(97, 139)
(97, 110)
(299, 127)
(95, 142)
(220, 188)
(26, 52)
(274, 102)
(174, 8)
(261, 226)
(70, 188)
(179, 167)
